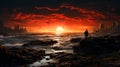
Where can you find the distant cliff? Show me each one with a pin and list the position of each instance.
(114, 28)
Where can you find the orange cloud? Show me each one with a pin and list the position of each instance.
(86, 12)
(41, 23)
(47, 8)
(36, 22)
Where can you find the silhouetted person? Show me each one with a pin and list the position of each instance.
(86, 33)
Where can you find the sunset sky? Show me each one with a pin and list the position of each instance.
(47, 15)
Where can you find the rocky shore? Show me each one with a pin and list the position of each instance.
(98, 45)
(14, 57)
(91, 52)
(39, 43)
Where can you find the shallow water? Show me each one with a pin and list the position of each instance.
(44, 62)
(63, 41)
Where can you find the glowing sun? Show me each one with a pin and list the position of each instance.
(59, 30)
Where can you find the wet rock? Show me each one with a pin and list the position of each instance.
(75, 40)
(39, 43)
(57, 48)
(19, 55)
(98, 45)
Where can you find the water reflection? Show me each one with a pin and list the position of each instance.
(64, 45)
(44, 62)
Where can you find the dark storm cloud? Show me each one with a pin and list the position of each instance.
(100, 5)
(67, 10)
(92, 9)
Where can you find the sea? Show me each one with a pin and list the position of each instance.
(64, 43)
